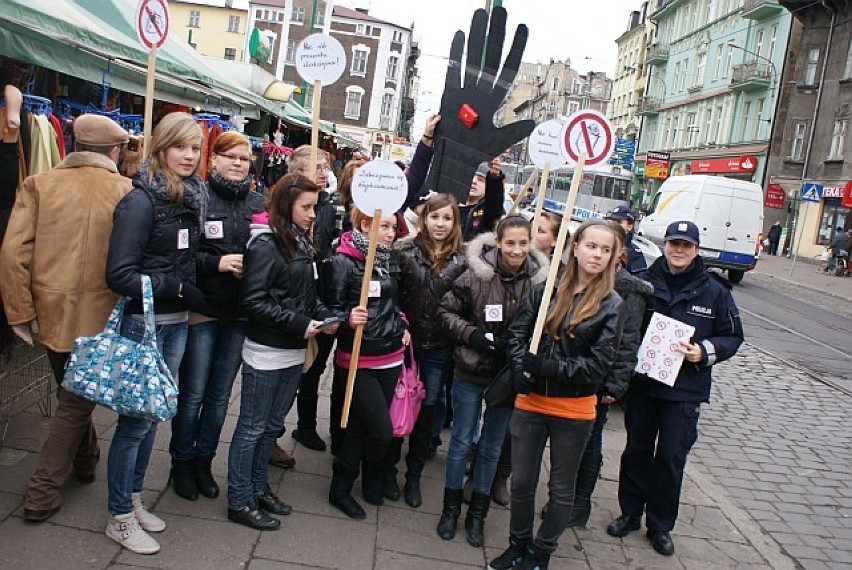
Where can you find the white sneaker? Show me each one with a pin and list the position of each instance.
(125, 530)
(147, 520)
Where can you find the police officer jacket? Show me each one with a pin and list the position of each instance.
(703, 300)
(226, 231)
(585, 356)
(422, 290)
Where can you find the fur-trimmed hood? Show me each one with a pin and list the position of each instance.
(626, 284)
(79, 159)
(481, 254)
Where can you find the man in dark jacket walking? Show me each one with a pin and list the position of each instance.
(624, 216)
(662, 420)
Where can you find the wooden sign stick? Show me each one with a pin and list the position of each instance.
(523, 191)
(539, 201)
(315, 131)
(148, 119)
(557, 254)
(359, 331)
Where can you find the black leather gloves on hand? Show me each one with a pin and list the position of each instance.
(541, 366)
(479, 342)
(466, 134)
(523, 383)
(192, 296)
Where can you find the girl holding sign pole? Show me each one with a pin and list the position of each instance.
(385, 335)
(558, 388)
(475, 313)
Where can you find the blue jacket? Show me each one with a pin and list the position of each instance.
(704, 301)
(636, 264)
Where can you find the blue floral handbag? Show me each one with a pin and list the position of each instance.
(127, 376)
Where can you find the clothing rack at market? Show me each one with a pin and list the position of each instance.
(65, 108)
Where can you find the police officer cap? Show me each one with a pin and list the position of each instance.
(97, 130)
(482, 169)
(621, 213)
(686, 231)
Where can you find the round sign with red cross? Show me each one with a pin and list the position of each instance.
(588, 132)
(152, 23)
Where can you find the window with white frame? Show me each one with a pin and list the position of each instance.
(363, 30)
(709, 123)
(797, 140)
(320, 18)
(691, 129)
(397, 36)
(676, 77)
(393, 67)
(717, 135)
(720, 51)
(699, 69)
(811, 66)
(309, 96)
(297, 16)
(838, 139)
(773, 36)
(847, 70)
(290, 55)
(194, 18)
(728, 61)
(359, 61)
(233, 23)
(758, 119)
(675, 131)
(555, 85)
(744, 120)
(573, 107)
(711, 11)
(230, 54)
(684, 75)
(354, 94)
(667, 131)
(758, 42)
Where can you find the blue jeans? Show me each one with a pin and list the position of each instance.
(207, 373)
(467, 404)
(134, 437)
(436, 368)
(267, 396)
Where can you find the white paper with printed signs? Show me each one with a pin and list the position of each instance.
(660, 356)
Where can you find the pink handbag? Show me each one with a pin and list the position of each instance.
(408, 395)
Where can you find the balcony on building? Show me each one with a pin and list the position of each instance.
(760, 9)
(657, 54)
(751, 76)
(649, 106)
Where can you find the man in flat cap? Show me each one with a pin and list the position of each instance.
(52, 278)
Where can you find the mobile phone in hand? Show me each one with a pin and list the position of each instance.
(328, 322)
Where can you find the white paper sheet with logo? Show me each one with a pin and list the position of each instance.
(659, 356)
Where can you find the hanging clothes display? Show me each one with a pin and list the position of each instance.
(45, 151)
(60, 138)
(204, 162)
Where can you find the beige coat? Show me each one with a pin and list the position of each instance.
(53, 261)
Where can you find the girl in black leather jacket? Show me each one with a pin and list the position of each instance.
(385, 333)
(558, 387)
(279, 296)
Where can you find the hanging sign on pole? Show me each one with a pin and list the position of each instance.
(378, 186)
(320, 60)
(152, 27)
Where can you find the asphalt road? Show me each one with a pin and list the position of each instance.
(813, 333)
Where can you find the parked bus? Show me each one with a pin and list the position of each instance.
(601, 189)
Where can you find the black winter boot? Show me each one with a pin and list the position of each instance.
(587, 478)
(413, 498)
(372, 483)
(450, 513)
(204, 477)
(182, 477)
(474, 521)
(512, 556)
(340, 494)
(390, 487)
(537, 559)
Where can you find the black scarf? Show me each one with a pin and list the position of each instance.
(194, 194)
(382, 260)
(228, 189)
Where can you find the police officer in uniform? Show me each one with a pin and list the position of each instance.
(662, 420)
(624, 216)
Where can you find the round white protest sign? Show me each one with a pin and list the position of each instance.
(320, 58)
(588, 132)
(152, 23)
(545, 144)
(379, 185)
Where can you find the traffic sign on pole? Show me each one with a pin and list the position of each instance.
(588, 132)
(811, 192)
(152, 23)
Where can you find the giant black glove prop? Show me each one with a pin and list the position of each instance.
(466, 134)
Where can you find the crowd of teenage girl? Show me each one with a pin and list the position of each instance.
(244, 284)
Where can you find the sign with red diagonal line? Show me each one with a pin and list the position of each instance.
(152, 22)
(588, 132)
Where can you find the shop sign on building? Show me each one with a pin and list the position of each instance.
(734, 165)
(657, 165)
(775, 195)
(832, 192)
(847, 196)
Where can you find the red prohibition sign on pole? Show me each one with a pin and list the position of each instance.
(588, 132)
(152, 23)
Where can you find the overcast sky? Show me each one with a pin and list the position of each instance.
(582, 31)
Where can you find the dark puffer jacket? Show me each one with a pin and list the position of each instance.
(344, 274)
(484, 283)
(156, 237)
(278, 295)
(585, 356)
(634, 291)
(422, 290)
(227, 231)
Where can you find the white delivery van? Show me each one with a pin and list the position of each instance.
(728, 213)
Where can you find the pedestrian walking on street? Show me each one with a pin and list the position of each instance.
(503, 268)
(625, 217)
(557, 388)
(662, 420)
(156, 230)
(278, 295)
(215, 334)
(52, 275)
(774, 237)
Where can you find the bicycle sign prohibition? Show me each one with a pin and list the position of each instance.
(152, 23)
(588, 132)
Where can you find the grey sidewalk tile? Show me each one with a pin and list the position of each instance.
(387, 560)
(263, 564)
(8, 503)
(414, 533)
(53, 547)
(308, 494)
(697, 549)
(800, 552)
(191, 543)
(16, 466)
(644, 556)
(307, 539)
(738, 552)
(211, 509)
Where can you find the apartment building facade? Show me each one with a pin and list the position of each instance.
(215, 28)
(631, 74)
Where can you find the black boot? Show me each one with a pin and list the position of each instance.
(450, 513)
(587, 478)
(413, 498)
(499, 488)
(390, 487)
(474, 522)
(372, 483)
(537, 559)
(340, 494)
(182, 477)
(204, 477)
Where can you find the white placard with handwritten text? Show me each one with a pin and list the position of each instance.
(660, 356)
(320, 58)
(379, 185)
(545, 144)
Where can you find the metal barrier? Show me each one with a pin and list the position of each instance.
(26, 380)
